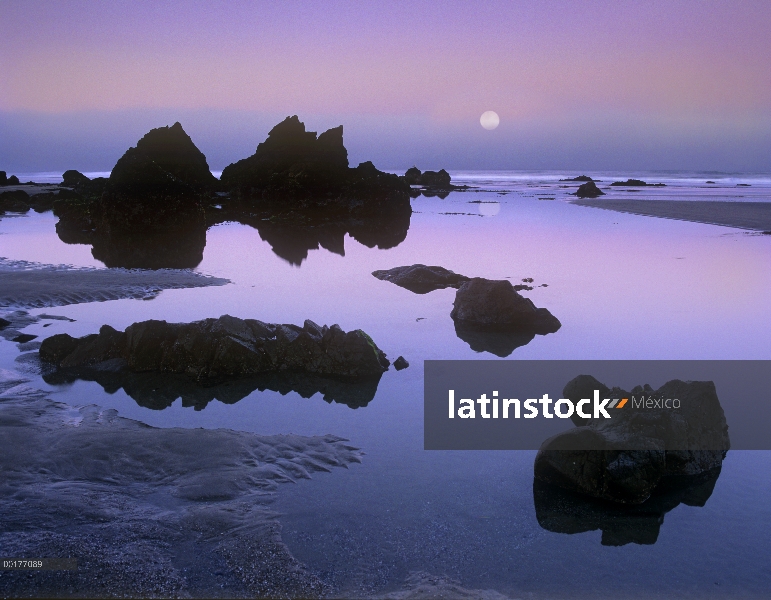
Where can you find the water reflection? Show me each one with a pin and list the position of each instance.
(290, 237)
(158, 391)
(562, 511)
(500, 343)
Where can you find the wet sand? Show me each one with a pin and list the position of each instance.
(743, 215)
(147, 512)
(33, 285)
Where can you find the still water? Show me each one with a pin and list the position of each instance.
(623, 286)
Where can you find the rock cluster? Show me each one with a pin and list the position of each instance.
(216, 349)
(161, 197)
(294, 168)
(624, 458)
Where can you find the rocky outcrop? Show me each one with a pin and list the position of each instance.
(216, 349)
(624, 458)
(491, 305)
(293, 168)
(3, 178)
(422, 279)
(635, 183)
(588, 190)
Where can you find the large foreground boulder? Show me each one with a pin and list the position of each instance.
(625, 457)
(422, 279)
(216, 349)
(494, 305)
(293, 168)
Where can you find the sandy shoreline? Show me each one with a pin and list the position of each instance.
(755, 216)
(33, 285)
(147, 511)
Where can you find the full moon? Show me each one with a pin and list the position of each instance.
(489, 119)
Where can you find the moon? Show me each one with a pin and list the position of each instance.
(489, 119)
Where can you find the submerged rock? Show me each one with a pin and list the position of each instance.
(494, 305)
(216, 349)
(589, 190)
(422, 279)
(293, 168)
(623, 459)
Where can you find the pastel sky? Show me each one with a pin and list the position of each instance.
(577, 84)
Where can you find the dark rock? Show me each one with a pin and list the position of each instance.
(23, 338)
(432, 180)
(158, 185)
(164, 162)
(4, 323)
(14, 201)
(623, 459)
(636, 183)
(588, 190)
(13, 180)
(579, 178)
(710, 182)
(3, 178)
(743, 185)
(412, 176)
(293, 168)
(421, 279)
(495, 306)
(401, 363)
(216, 349)
(563, 511)
(75, 179)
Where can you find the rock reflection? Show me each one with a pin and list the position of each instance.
(499, 343)
(291, 237)
(562, 511)
(158, 391)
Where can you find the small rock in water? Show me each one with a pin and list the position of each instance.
(401, 363)
(589, 190)
(24, 337)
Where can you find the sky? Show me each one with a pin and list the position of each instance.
(578, 85)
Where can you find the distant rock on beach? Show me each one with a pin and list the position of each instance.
(589, 190)
(624, 458)
(216, 349)
(431, 183)
(636, 183)
(579, 178)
